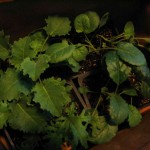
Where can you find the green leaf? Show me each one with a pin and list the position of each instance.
(4, 46)
(4, 114)
(87, 22)
(134, 116)
(83, 90)
(118, 109)
(20, 50)
(80, 53)
(131, 54)
(52, 95)
(104, 19)
(73, 128)
(26, 119)
(102, 132)
(145, 89)
(35, 68)
(130, 92)
(118, 71)
(57, 26)
(129, 30)
(59, 52)
(12, 84)
(73, 64)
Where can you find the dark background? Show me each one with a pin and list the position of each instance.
(20, 17)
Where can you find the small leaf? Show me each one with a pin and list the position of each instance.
(35, 68)
(4, 114)
(80, 53)
(118, 109)
(26, 119)
(83, 90)
(87, 22)
(102, 132)
(57, 26)
(4, 46)
(12, 84)
(104, 19)
(59, 52)
(52, 95)
(134, 116)
(20, 50)
(145, 89)
(74, 65)
(130, 92)
(118, 71)
(129, 30)
(131, 54)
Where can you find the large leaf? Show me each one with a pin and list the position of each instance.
(80, 53)
(52, 95)
(102, 132)
(26, 119)
(57, 26)
(12, 84)
(131, 54)
(4, 114)
(134, 116)
(35, 68)
(4, 46)
(87, 22)
(21, 49)
(60, 51)
(118, 109)
(129, 30)
(118, 71)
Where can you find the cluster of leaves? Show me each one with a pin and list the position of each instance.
(34, 102)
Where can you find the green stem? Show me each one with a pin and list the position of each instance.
(44, 42)
(99, 100)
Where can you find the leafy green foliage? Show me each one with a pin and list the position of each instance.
(101, 131)
(86, 22)
(57, 26)
(13, 83)
(134, 116)
(20, 50)
(118, 71)
(129, 30)
(52, 95)
(118, 109)
(26, 118)
(75, 127)
(131, 54)
(59, 52)
(4, 114)
(34, 69)
(35, 98)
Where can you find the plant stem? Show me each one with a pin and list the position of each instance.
(44, 43)
(77, 93)
(99, 100)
